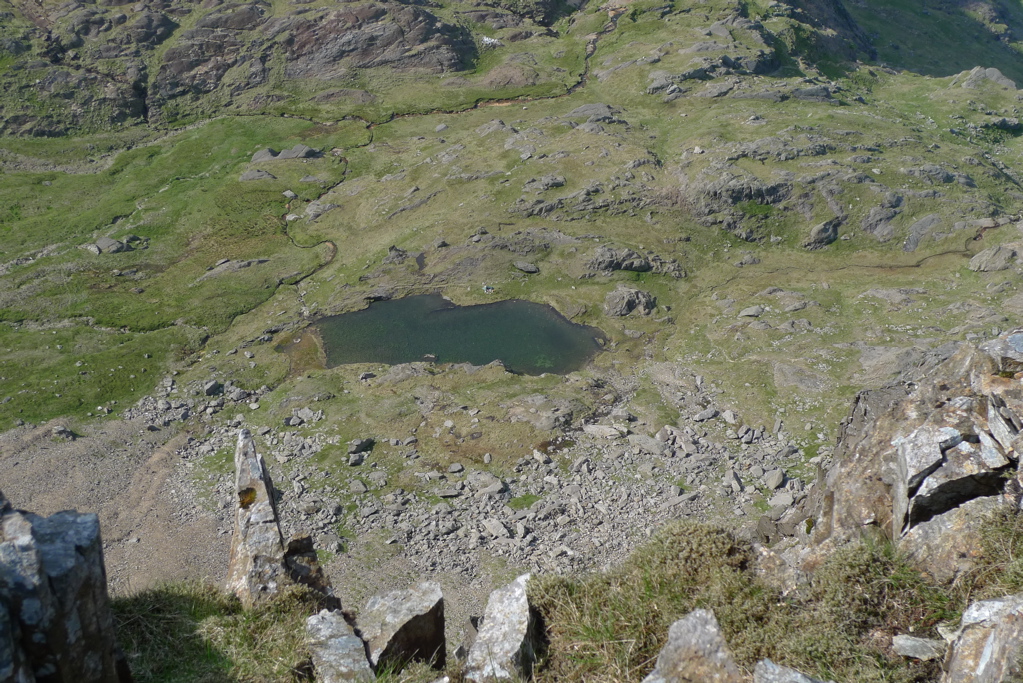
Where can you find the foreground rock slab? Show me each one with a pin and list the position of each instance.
(55, 619)
(989, 643)
(403, 626)
(338, 654)
(506, 645)
(696, 651)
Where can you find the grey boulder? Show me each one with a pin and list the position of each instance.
(404, 626)
(624, 300)
(992, 259)
(989, 641)
(696, 651)
(337, 653)
(505, 647)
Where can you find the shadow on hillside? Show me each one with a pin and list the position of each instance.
(158, 629)
(939, 38)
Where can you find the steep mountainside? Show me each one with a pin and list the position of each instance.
(764, 207)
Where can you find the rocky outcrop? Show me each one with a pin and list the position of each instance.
(624, 300)
(370, 35)
(923, 466)
(261, 564)
(55, 619)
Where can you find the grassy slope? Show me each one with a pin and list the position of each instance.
(610, 627)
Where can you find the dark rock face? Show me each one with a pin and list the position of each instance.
(371, 35)
(55, 620)
(94, 63)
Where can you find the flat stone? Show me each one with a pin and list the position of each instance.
(505, 647)
(924, 649)
(337, 653)
(767, 671)
(751, 312)
(257, 174)
(107, 245)
(526, 267)
(704, 415)
(404, 626)
(646, 444)
(602, 431)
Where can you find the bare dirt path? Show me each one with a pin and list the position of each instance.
(152, 532)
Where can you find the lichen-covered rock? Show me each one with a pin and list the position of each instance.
(405, 625)
(337, 653)
(506, 645)
(696, 651)
(55, 619)
(256, 568)
(989, 644)
(261, 564)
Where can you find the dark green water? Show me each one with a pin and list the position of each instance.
(528, 338)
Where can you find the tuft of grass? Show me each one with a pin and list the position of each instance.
(190, 632)
(611, 627)
(523, 502)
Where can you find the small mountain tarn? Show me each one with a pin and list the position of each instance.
(528, 338)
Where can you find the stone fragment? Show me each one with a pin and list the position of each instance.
(496, 528)
(752, 312)
(988, 645)
(774, 479)
(704, 415)
(696, 651)
(767, 671)
(506, 645)
(212, 388)
(265, 154)
(646, 444)
(404, 626)
(602, 431)
(337, 653)
(360, 446)
(924, 649)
